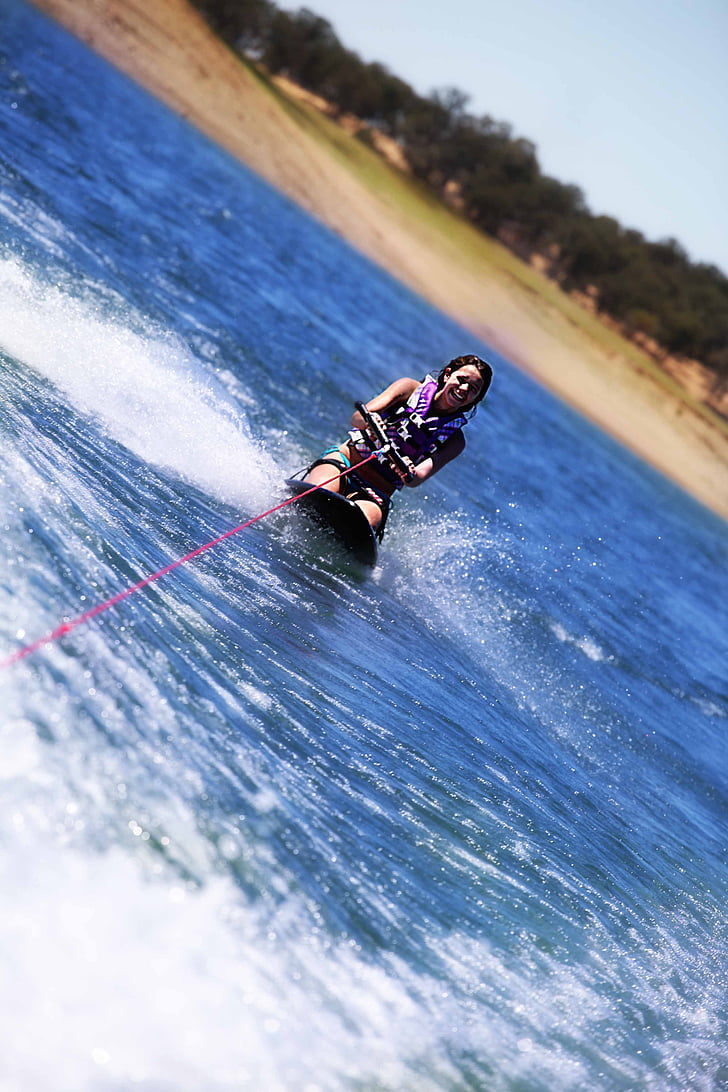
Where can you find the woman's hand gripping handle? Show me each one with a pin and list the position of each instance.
(402, 466)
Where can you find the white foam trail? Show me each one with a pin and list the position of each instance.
(584, 644)
(128, 981)
(147, 390)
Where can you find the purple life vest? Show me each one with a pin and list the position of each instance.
(415, 433)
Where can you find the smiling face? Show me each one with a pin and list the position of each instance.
(460, 389)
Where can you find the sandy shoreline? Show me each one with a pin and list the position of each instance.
(166, 47)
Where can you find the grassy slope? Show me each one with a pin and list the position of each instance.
(450, 233)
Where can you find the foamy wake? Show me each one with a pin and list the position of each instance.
(146, 388)
(587, 645)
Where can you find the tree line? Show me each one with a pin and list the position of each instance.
(494, 178)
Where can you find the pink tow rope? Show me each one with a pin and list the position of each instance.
(66, 627)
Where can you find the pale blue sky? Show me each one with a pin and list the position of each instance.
(626, 98)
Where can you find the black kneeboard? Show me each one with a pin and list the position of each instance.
(342, 516)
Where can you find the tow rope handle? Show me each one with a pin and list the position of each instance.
(386, 446)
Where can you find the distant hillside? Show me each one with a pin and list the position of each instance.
(651, 291)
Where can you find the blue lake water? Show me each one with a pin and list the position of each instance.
(276, 822)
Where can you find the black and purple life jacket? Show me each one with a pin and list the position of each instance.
(413, 432)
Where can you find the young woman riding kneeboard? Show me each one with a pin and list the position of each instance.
(423, 421)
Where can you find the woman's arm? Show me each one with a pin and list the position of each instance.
(452, 447)
(399, 391)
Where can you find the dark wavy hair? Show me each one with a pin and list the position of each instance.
(483, 367)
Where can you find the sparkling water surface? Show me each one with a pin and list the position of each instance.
(275, 821)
